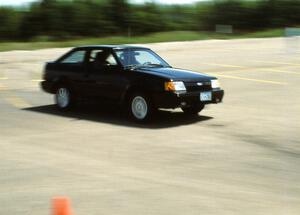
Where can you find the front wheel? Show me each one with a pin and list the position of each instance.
(140, 107)
(63, 98)
(193, 110)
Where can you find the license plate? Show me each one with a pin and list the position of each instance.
(205, 96)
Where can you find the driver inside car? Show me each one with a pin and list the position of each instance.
(101, 59)
(128, 58)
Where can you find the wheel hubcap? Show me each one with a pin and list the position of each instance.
(63, 97)
(139, 107)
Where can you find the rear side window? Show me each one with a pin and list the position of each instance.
(75, 57)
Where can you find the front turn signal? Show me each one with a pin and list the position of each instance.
(175, 86)
(169, 86)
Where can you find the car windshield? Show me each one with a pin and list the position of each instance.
(140, 58)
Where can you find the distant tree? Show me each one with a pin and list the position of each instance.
(147, 18)
(41, 19)
(9, 23)
(85, 18)
(119, 12)
(60, 19)
(179, 17)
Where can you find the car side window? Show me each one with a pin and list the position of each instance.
(102, 57)
(111, 60)
(94, 54)
(75, 57)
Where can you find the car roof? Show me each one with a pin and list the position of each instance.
(110, 47)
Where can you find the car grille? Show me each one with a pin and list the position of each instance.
(195, 86)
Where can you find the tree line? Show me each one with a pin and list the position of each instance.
(63, 19)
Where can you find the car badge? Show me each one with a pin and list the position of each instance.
(199, 84)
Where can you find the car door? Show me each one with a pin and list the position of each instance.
(106, 80)
(73, 68)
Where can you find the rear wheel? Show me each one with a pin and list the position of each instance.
(140, 107)
(64, 98)
(193, 110)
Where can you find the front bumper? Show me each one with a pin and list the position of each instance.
(173, 100)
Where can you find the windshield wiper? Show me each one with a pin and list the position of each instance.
(154, 64)
(133, 66)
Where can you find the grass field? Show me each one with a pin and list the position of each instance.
(150, 38)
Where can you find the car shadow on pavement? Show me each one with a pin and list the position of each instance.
(161, 119)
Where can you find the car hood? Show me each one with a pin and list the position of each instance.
(176, 74)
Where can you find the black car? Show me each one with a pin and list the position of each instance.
(134, 77)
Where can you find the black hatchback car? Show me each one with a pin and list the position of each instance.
(134, 77)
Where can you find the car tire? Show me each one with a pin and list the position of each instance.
(140, 107)
(193, 110)
(64, 98)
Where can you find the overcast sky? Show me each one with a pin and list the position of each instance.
(21, 2)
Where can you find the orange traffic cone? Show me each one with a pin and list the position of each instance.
(61, 206)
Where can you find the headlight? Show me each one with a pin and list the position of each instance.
(215, 83)
(176, 86)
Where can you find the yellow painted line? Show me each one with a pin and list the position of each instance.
(2, 76)
(16, 101)
(250, 79)
(37, 80)
(277, 62)
(2, 88)
(261, 70)
(224, 65)
(234, 71)
(280, 71)
(12, 99)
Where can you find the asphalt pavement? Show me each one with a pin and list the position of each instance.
(238, 157)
